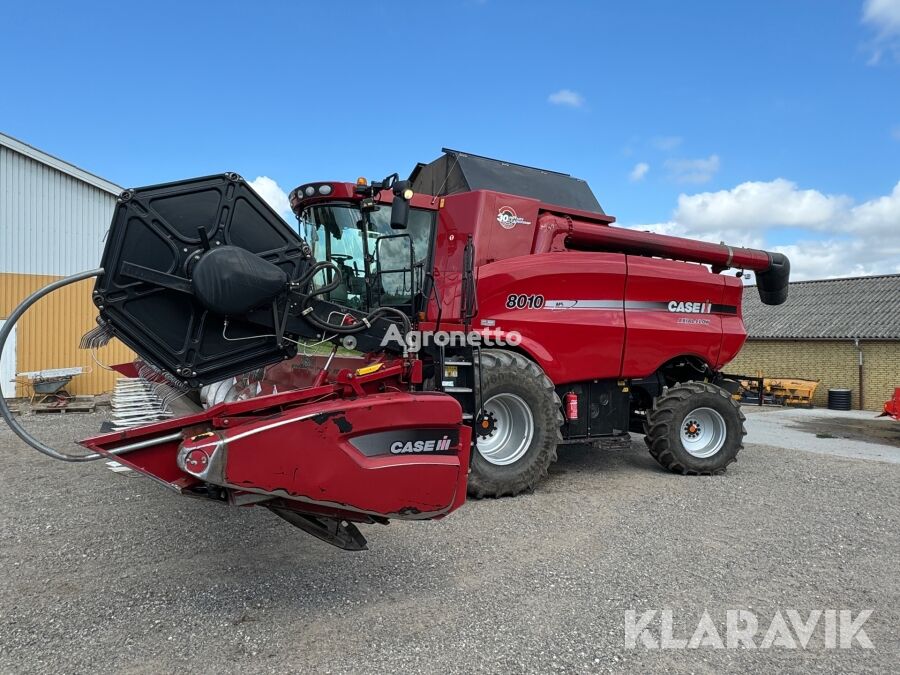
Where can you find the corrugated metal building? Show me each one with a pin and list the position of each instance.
(53, 219)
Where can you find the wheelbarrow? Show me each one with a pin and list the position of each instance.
(49, 386)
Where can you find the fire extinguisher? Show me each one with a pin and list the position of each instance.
(571, 403)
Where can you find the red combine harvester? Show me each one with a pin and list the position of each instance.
(496, 311)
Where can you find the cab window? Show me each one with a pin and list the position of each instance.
(335, 232)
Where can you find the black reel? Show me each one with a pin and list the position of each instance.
(205, 280)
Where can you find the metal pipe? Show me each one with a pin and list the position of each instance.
(5, 332)
(149, 443)
(772, 269)
(666, 246)
(860, 378)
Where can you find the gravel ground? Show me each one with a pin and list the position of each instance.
(110, 573)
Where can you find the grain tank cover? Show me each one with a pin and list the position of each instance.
(461, 172)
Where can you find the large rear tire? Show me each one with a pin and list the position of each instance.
(695, 428)
(522, 416)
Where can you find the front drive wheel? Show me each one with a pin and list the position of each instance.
(695, 428)
(518, 428)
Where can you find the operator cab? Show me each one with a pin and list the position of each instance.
(380, 266)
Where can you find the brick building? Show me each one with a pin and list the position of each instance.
(843, 332)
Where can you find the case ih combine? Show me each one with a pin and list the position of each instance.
(596, 331)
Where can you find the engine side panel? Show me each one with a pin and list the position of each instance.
(734, 334)
(592, 316)
(672, 309)
(568, 308)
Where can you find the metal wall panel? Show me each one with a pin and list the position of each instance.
(8, 365)
(50, 222)
(48, 334)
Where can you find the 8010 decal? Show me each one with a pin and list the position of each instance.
(524, 301)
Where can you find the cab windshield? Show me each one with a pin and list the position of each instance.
(379, 267)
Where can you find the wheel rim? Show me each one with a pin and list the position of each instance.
(703, 432)
(513, 429)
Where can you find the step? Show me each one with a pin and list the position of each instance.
(457, 390)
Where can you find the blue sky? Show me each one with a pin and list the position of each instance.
(769, 123)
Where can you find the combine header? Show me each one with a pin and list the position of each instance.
(572, 330)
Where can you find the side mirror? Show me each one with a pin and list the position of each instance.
(400, 206)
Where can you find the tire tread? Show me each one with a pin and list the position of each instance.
(663, 414)
(481, 487)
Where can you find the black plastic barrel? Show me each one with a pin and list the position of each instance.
(840, 399)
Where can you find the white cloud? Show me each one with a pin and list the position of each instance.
(566, 97)
(879, 217)
(693, 170)
(837, 258)
(639, 171)
(731, 236)
(841, 238)
(778, 202)
(883, 16)
(666, 143)
(272, 193)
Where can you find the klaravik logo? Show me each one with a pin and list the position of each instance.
(745, 629)
(508, 218)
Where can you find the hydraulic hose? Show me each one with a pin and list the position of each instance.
(360, 324)
(5, 332)
(341, 329)
(318, 267)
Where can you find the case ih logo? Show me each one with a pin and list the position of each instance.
(690, 307)
(408, 442)
(508, 219)
(434, 445)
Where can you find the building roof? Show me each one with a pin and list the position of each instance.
(58, 164)
(867, 308)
